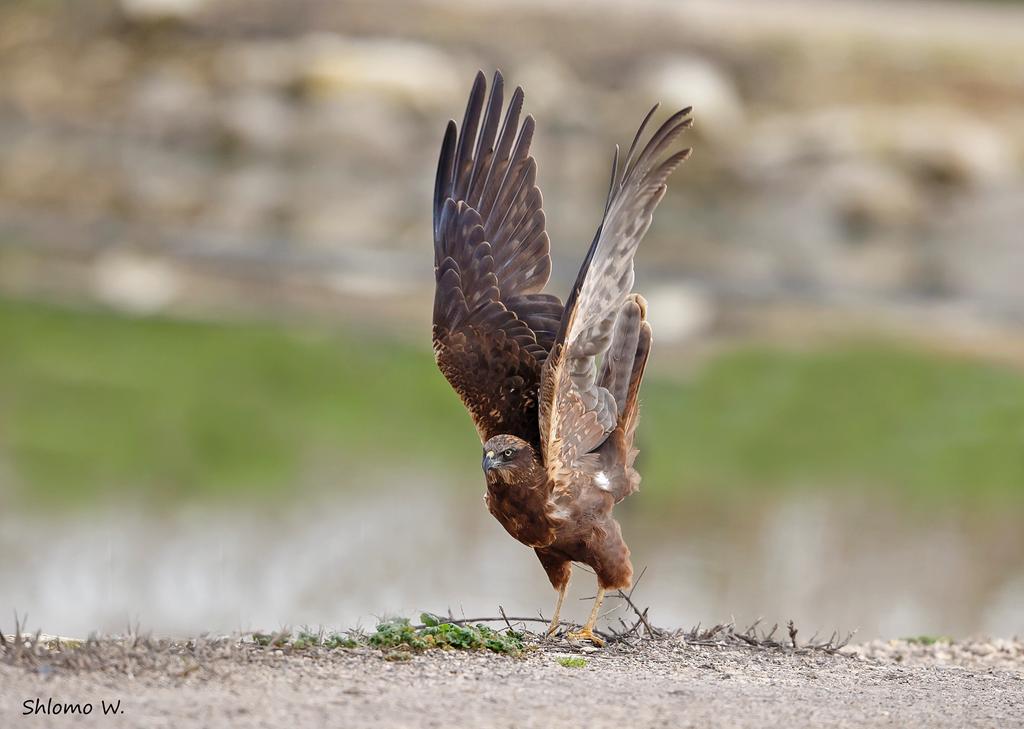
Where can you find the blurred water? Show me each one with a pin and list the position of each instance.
(341, 562)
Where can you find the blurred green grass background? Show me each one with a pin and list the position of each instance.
(96, 405)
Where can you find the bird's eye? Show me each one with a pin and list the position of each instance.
(509, 453)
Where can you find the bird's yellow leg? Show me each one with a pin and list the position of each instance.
(558, 608)
(588, 630)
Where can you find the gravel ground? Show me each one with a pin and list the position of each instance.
(658, 683)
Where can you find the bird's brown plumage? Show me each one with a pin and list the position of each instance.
(552, 389)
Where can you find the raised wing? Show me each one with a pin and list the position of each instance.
(493, 328)
(577, 412)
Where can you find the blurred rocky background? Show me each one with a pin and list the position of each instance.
(215, 281)
(861, 157)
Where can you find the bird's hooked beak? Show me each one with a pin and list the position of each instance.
(489, 461)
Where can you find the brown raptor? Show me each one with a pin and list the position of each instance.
(552, 389)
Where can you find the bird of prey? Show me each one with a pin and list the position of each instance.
(552, 389)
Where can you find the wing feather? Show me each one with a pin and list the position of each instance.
(577, 410)
(493, 326)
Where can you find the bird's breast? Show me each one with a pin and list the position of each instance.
(523, 511)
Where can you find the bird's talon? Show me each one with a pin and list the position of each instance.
(586, 634)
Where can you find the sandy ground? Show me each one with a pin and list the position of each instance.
(664, 683)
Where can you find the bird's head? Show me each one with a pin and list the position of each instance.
(506, 455)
